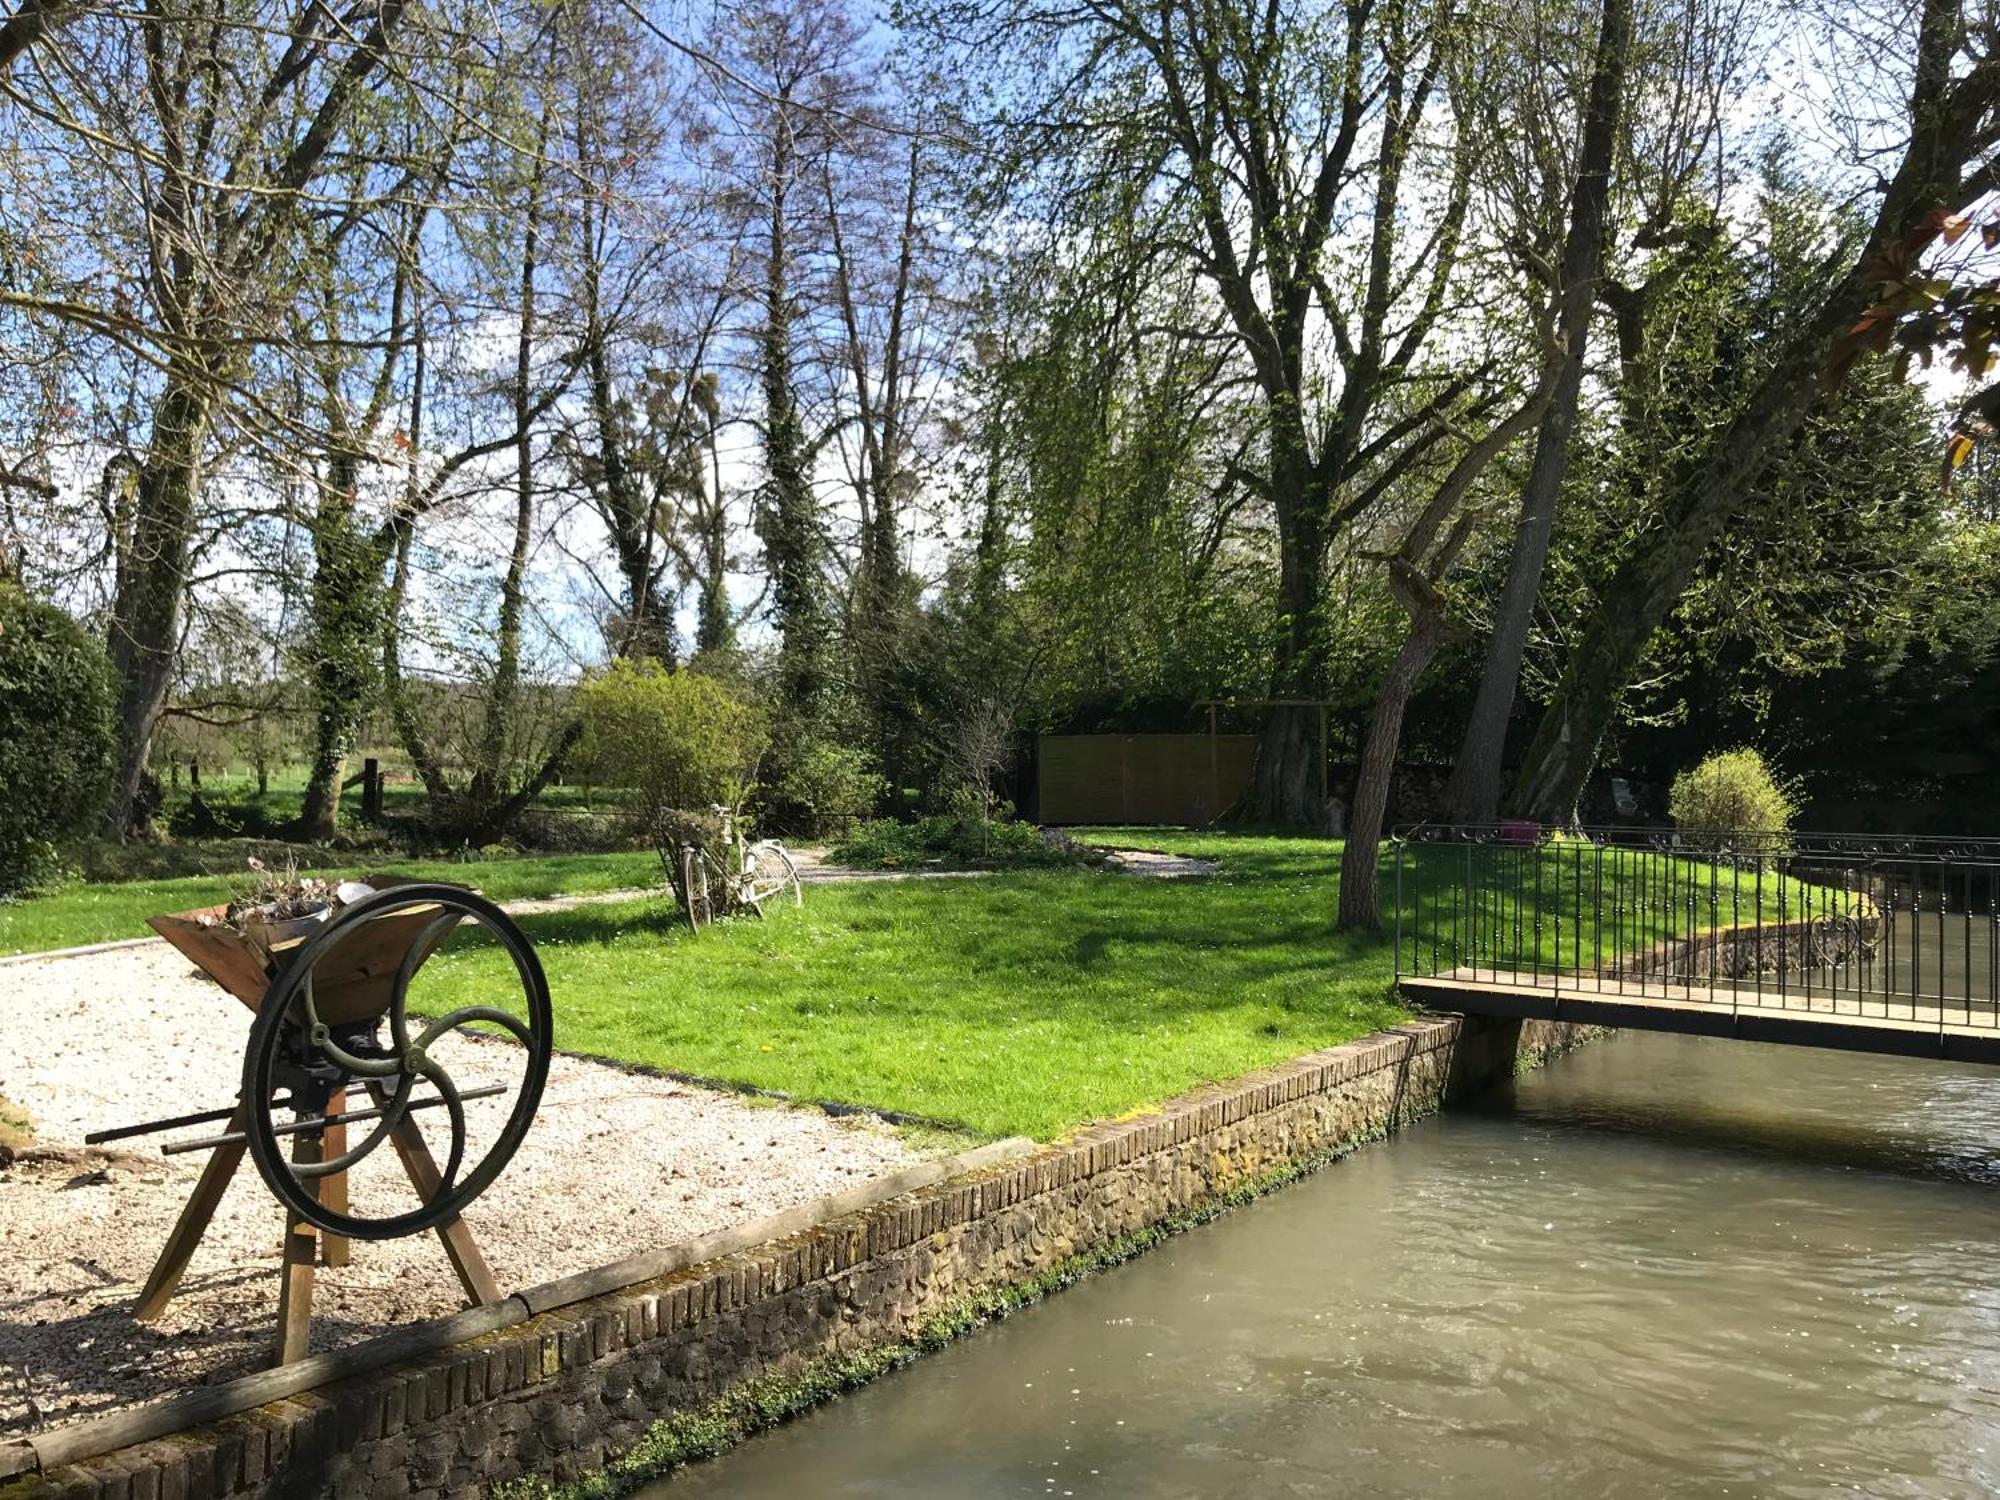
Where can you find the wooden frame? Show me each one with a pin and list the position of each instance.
(359, 989)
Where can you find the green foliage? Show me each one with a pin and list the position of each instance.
(677, 739)
(1733, 792)
(962, 840)
(816, 785)
(57, 729)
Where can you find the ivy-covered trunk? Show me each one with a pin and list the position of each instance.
(152, 583)
(343, 642)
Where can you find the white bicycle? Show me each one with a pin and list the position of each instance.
(728, 874)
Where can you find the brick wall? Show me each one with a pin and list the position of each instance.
(558, 1395)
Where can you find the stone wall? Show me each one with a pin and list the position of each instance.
(558, 1395)
(1815, 946)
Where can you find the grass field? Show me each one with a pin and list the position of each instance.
(1025, 1003)
(81, 913)
(235, 787)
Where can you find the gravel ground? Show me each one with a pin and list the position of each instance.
(616, 1162)
(1151, 864)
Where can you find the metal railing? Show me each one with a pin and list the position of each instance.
(1897, 928)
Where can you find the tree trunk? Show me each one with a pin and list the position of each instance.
(715, 629)
(343, 642)
(790, 523)
(1473, 794)
(486, 823)
(1285, 786)
(28, 25)
(1360, 897)
(1641, 593)
(490, 772)
(146, 615)
(628, 513)
(402, 709)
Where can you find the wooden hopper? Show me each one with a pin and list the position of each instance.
(353, 983)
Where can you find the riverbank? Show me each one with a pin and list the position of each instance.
(1663, 1266)
(562, 1390)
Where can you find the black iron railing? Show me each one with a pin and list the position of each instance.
(1896, 928)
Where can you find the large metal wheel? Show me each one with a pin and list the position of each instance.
(313, 1046)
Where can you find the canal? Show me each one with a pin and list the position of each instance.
(1663, 1265)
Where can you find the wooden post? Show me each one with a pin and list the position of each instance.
(371, 790)
(1214, 770)
(334, 1248)
(193, 1222)
(295, 1289)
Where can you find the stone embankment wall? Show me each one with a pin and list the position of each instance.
(1812, 946)
(561, 1393)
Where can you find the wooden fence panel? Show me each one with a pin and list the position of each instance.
(1188, 779)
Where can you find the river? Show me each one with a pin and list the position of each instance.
(1661, 1266)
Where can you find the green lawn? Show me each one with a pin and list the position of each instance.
(80, 914)
(234, 787)
(1022, 1003)
(1025, 1003)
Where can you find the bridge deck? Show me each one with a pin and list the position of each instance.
(1854, 1023)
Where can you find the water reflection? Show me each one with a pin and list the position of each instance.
(1664, 1266)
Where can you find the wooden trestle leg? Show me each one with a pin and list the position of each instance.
(459, 1246)
(334, 1248)
(295, 1289)
(193, 1222)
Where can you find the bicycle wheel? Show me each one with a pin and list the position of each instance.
(694, 888)
(769, 870)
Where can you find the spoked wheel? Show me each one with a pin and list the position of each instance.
(769, 872)
(694, 888)
(320, 1033)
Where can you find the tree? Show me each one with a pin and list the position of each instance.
(1475, 785)
(1953, 122)
(56, 702)
(1415, 572)
(1295, 160)
(680, 740)
(221, 169)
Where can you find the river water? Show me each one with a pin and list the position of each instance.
(1661, 1266)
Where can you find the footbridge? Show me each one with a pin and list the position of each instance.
(1866, 943)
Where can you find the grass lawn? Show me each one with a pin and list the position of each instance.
(235, 787)
(80, 914)
(1025, 1003)
(1022, 1003)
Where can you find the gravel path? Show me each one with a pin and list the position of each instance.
(1151, 864)
(616, 1162)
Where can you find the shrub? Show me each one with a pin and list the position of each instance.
(1733, 792)
(817, 785)
(58, 725)
(959, 840)
(677, 739)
